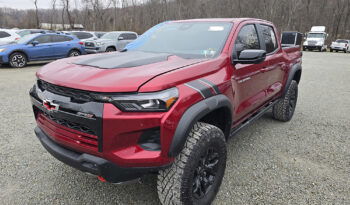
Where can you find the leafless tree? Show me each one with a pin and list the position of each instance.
(36, 13)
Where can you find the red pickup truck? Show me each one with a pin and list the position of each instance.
(167, 103)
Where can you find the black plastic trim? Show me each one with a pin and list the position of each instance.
(192, 115)
(93, 164)
(291, 75)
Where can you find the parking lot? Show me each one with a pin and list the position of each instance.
(305, 161)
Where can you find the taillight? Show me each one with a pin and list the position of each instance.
(81, 43)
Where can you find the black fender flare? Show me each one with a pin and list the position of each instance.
(192, 115)
(295, 68)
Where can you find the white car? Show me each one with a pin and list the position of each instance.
(340, 45)
(8, 36)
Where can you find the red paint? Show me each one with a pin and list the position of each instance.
(121, 130)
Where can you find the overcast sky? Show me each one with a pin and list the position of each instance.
(24, 4)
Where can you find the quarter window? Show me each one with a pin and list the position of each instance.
(128, 36)
(269, 38)
(61, 38)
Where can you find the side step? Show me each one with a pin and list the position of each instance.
(251, 119)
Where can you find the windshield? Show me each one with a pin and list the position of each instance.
(185, 39)
(26, 39)
(315, 35)
(109, 36)
(341, 41)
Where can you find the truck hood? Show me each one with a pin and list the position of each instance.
(112, 72)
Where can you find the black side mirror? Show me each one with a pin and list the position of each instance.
(250, 57)
(34, 43)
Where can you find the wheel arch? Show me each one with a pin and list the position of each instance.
(111, 46)
(203, 111)
(294, 74)
(19, 51)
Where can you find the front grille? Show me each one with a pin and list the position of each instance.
(312, 43)
(89, 44)
(71, 125)
(68, 92)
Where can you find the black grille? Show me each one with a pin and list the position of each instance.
(89, 44)
(71, 125)
(68, 92)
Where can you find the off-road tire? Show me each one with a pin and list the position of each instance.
(18, 60)
(175, 185)
(110, 49)
(284, 109)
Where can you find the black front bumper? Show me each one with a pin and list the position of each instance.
(92, 164)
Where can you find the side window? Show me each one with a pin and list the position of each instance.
(4, 34)
(43, 39)
(61, 38)
(269, 37)
(128, 36)
(247, 39)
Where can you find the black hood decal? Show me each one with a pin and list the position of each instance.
(123, 59)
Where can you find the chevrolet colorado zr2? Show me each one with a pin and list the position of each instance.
(167, 103)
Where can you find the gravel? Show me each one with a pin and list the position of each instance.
(305, 161)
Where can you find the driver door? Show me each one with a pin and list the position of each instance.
(248, 82)
(43, 50)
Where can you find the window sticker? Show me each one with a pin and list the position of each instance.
(216, 28)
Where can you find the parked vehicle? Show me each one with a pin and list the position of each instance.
(8, 36)
(84, 35)
(168, 104)
(316, 39)
(36, 47)
(99, 34)
(340, 45)
(25, 32)
(112, 41)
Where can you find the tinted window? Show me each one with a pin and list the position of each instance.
(112, 36)
(128, 36)
(269, 38)
(4, 34)
(247, 39)
(43, 39)
(341, 41)
(61, 38)
(82, 35)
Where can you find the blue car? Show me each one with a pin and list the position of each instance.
(38, 47)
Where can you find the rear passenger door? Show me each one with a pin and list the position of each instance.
(247, 81)
(124, 39)
(61, 45)
(274, 72)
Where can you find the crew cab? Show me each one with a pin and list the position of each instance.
(167, 104)
(38, 47)
(340, 45)
(110, 42)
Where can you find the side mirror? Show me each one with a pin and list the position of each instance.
(120, 38)
(250, 57)
(34, 43)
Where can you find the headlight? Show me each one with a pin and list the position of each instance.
(2, 49)
(305, 43)
(99, 44)
(319, 43)
(142, 102)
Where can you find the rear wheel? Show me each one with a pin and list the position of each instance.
(18, 60)
(197, 172)
(284, 109)
(110, 49)
(331, 50)
(74, 53)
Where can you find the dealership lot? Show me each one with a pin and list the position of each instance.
(305, 161)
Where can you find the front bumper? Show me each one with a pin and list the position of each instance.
(338, 48)
(93, 50)
(92, 164)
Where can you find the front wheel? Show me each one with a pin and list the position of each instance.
(18, 60)
(73, 53)
(196, 174)
(284, 109)
(110, 49)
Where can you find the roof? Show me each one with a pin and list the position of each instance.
(220, 20)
